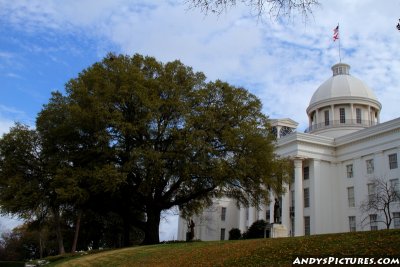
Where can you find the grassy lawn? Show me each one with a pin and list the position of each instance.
(256, 252)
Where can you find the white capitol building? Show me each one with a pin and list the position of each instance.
(335, 160)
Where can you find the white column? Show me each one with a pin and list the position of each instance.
(333, 114)
(278, 131)
(271, 207)
(315, 198)
(353, 119)
(369, 116)
(242, 219)
(378, 116)
(299, 199)
(286, 207)
(252, 215)
(261, 212)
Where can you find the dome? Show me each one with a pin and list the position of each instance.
(341, 105)
(342, 84)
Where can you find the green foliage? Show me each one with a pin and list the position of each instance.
(234, 234)
(136, 137)
(21, 171)
(256, 230)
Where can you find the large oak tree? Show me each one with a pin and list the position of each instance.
(150, 136)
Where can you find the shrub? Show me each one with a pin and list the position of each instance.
(234, 234)
(256, 230)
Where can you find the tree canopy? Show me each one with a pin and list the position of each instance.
(139, 136)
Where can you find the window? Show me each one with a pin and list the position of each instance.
(350, 196)
(222, 233)
(393, 161)
(370, 165)
(373, 221)
(306, 197)
(394, 185)
(396, 220)
(342, 115)
(247, 214)
(326, 113)
(349, 170)
(306, 173)
(371, 191)
(268, 216)
(307, 225)
(223, 214)
(358, 115)
(352, 223)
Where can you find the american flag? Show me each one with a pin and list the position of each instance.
(336, 33)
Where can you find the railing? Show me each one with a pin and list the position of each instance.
(338, 123)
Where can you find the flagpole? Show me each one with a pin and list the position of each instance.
(340, 58)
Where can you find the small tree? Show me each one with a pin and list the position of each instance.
(385, 195)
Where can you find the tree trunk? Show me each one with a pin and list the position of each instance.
(57, 222)
(77, 226)
(152, 227)
(126, 238)
(40, 244)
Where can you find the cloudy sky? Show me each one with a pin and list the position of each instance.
(44, 43)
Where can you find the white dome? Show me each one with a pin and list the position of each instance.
(341, 84)
(341, 105)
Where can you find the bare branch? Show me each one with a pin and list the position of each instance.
(379, 202)
(275, 8)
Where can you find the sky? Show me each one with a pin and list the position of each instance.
(45, 43)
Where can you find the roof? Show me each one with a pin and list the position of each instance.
(342, 84)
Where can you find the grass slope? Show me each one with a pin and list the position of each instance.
(256, 252)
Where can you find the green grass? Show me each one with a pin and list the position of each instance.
(256, 252)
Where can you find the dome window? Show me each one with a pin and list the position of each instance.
(358, 115)
(326, 114)
(342, 115)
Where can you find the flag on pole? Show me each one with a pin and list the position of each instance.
(336, 33)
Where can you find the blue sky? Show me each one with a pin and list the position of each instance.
(44, 43)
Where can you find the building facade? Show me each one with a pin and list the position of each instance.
(337, 161)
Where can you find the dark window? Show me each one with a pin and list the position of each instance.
(223, 214)
(349, 170)
(358, 115)
(373, 221)
(307, 225)
(393, 161)
(370, 166)
(222, 233)
(342, 115)
(350, 196)
(352, 223)
(306, 173)
(326, 117)
(306, 197)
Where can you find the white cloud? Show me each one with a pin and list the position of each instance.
(5, 126)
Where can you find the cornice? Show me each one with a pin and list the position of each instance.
(305, 138)
(369, 133)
